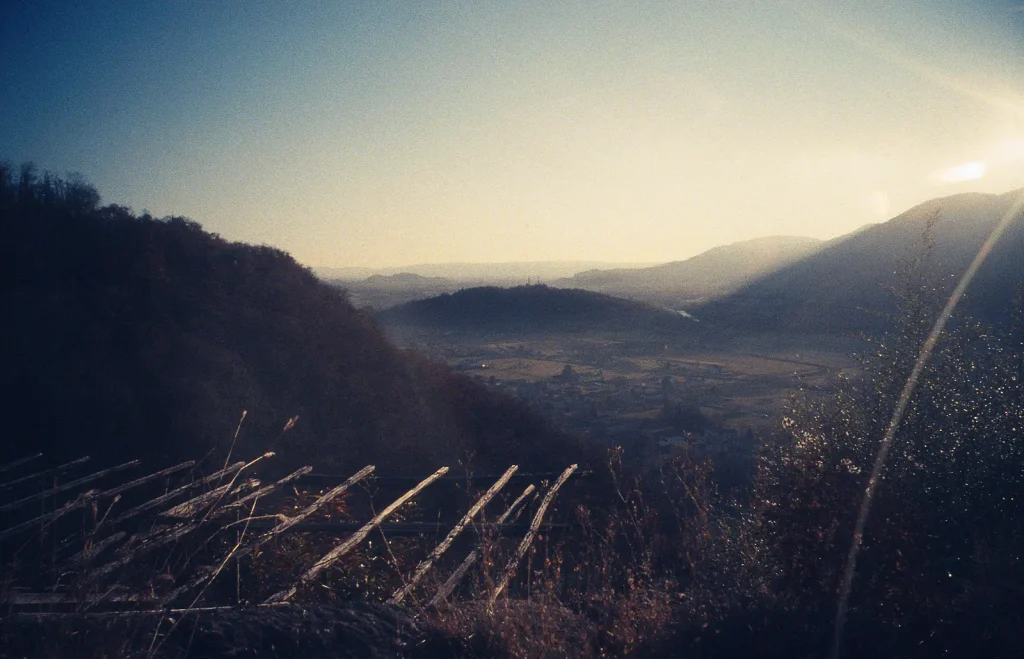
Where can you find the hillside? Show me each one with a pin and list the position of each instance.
(710, 274)
(847, 285)
(533, 309)
(131, 335)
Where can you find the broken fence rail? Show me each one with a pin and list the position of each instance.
(174, 520)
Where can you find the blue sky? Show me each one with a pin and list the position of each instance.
(375, 133)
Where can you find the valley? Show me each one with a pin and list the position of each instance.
(649, 395)
(742, 385)
(646, 375)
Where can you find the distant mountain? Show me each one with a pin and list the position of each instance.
(713, 273)
(510, 273)
(847, 285)
(406, 280)
(352, 273)
(143, 337)
(532, 309)
(383, 291)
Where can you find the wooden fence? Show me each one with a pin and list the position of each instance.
(104, 542)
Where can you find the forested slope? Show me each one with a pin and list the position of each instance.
(127, 335)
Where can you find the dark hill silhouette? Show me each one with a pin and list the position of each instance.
(713, 273)
(848, 285)
(532, 309)
(127, 335)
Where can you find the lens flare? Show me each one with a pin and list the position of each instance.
(969, 171)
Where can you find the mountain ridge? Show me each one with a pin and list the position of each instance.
(849, 282)
(715, 272)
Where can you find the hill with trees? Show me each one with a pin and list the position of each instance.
(848, 285)
(532, 310)
(129, 335)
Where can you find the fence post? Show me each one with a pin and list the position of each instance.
(446, 589)
(353, 540)
(534, 526)
(425, 564)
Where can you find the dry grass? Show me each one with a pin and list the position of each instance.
(612, 588)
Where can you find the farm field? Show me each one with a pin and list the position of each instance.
(741, 383)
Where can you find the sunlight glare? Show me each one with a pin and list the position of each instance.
(969, 171)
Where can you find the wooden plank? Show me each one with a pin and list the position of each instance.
(86, 498)
(164, 498)
(324, 499)
(142, 543)
(330, 557)
(253, 545)
(534, 526)
(448, 587)
(458, 575)
(216, 504)
(19, 462)
(76, 504)
(426, 563)
(188, 509)
(263, 491)
(59, 469)
(113, 492)
(70, 485)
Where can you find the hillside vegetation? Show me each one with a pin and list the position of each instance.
(533, 309)
(126, 334)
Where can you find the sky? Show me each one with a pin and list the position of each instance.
(391, 133)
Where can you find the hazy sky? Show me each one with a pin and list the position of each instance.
(387, 133)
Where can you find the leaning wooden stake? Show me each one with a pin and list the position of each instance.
(353, 540)
(164, 498)
(329, 496)
(263, 491)
(88, 498)
(251, 546)
(534, 526)
(79, 502)
(445, 590)
(189, 509)
(70, 485)
(426, 563)
(18, 463)
(59, 469)
(124, 487)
